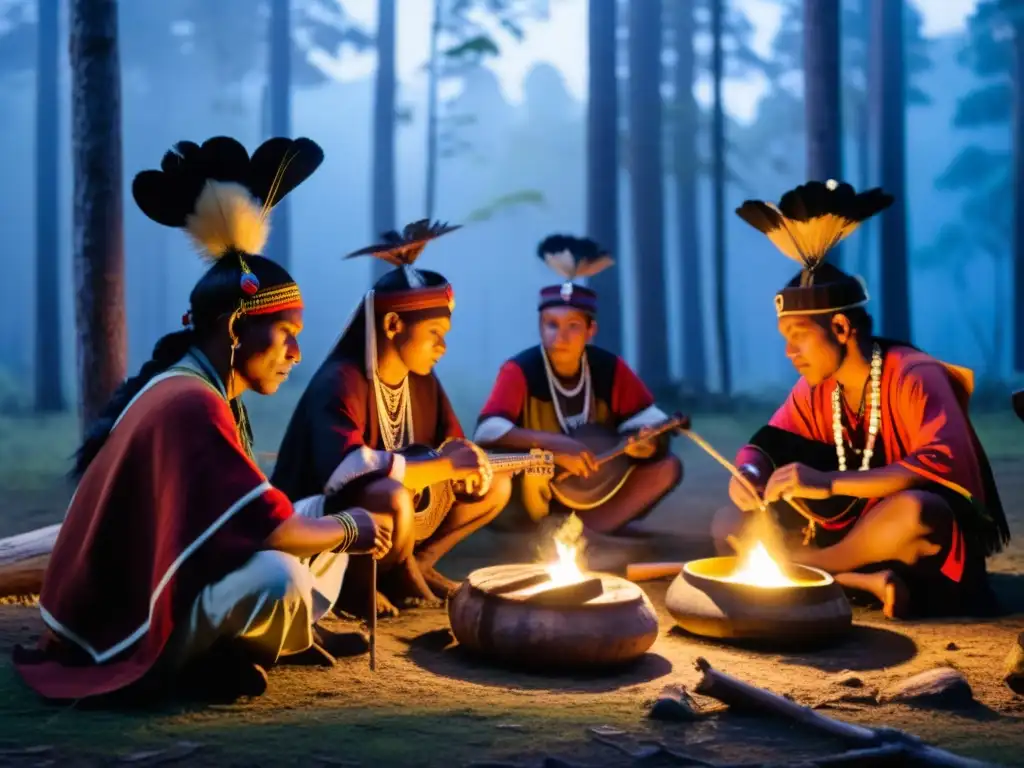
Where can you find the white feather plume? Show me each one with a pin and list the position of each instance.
(227, 218)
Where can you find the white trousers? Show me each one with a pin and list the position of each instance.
(268, 606)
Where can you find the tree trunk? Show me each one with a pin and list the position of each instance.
(383, 181)
(280, 97)
(647, 187)
(1018, 203)
(603, 164)
(863, 138)
(433, 77)
(49, 392)
(718, 183)
(695, 364)
(822, 93)
(888, 86)
(98, 218)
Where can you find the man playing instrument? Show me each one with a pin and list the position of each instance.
(546, 392)
(375, 395)
(873, 452)
(178, 565)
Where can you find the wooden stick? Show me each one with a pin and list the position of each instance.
(373, 614)
(652, 571)
(740, 695)
(518, 584)
(23, 561)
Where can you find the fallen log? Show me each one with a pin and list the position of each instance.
(23, 560)
(743, 696)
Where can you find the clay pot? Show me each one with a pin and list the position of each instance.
(613, 628)
(814, 610)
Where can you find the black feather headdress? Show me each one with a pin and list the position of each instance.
(805, 225)
(401, 249)
(220, 195)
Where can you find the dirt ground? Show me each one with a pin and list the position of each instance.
(429, 704)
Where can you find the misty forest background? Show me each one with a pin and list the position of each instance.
(643, 166)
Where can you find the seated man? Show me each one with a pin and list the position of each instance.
(375, 396)
(873, 449)
(545, 393)
(178, 565)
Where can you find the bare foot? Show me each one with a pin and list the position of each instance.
(887, 587)
(385, 608)
(440, 585)
(354, 605)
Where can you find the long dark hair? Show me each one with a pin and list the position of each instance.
(215, 296)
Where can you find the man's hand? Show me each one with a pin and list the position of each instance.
(740, 496)
(574, 457)
(640, 446)
(470, 467)
(798, 481)
(375, 533)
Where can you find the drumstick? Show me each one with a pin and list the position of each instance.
(373, 615)
(797, 503)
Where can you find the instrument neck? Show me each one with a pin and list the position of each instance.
(620, 448)
(511, 462)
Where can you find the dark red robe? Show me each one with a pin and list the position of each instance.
(171, 504)
(335, 429)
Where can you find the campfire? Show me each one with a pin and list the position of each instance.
(553, 613)
(760, 556)
(758, 594)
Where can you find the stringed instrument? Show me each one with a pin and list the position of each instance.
(614, 465)
(433, 502)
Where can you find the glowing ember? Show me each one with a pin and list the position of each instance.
(755, 564)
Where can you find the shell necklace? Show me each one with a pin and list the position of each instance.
(874, 418)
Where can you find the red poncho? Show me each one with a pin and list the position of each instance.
(171, 504)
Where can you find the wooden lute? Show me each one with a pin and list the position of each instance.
(433, 502)
(614, 466)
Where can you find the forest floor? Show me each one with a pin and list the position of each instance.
(428, 704)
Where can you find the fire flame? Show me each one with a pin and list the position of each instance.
(755, 564)
(565, 569)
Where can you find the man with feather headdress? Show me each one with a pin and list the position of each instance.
(546, 391)
(178, 565)
(873, 453)
(373, 398)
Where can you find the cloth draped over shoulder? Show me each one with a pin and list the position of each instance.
(333, 441)
(925, 428)
(172, 503)
(522, 396)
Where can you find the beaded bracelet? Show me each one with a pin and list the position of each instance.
(351, 530)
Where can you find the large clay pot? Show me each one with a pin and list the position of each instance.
(614, 628)
(812, 611)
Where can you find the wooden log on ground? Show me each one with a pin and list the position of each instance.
(23, 560)
(736, 693)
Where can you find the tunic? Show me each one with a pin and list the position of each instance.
(334, 433)
(924, 428)
(522, 397)
(171, 504)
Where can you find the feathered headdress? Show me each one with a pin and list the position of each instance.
(571, 258)
(222, 198)
(404, 289)
(806, 224)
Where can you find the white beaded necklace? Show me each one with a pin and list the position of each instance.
(556, 387)
(874, 417)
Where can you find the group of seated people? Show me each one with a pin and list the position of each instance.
(180, 567)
